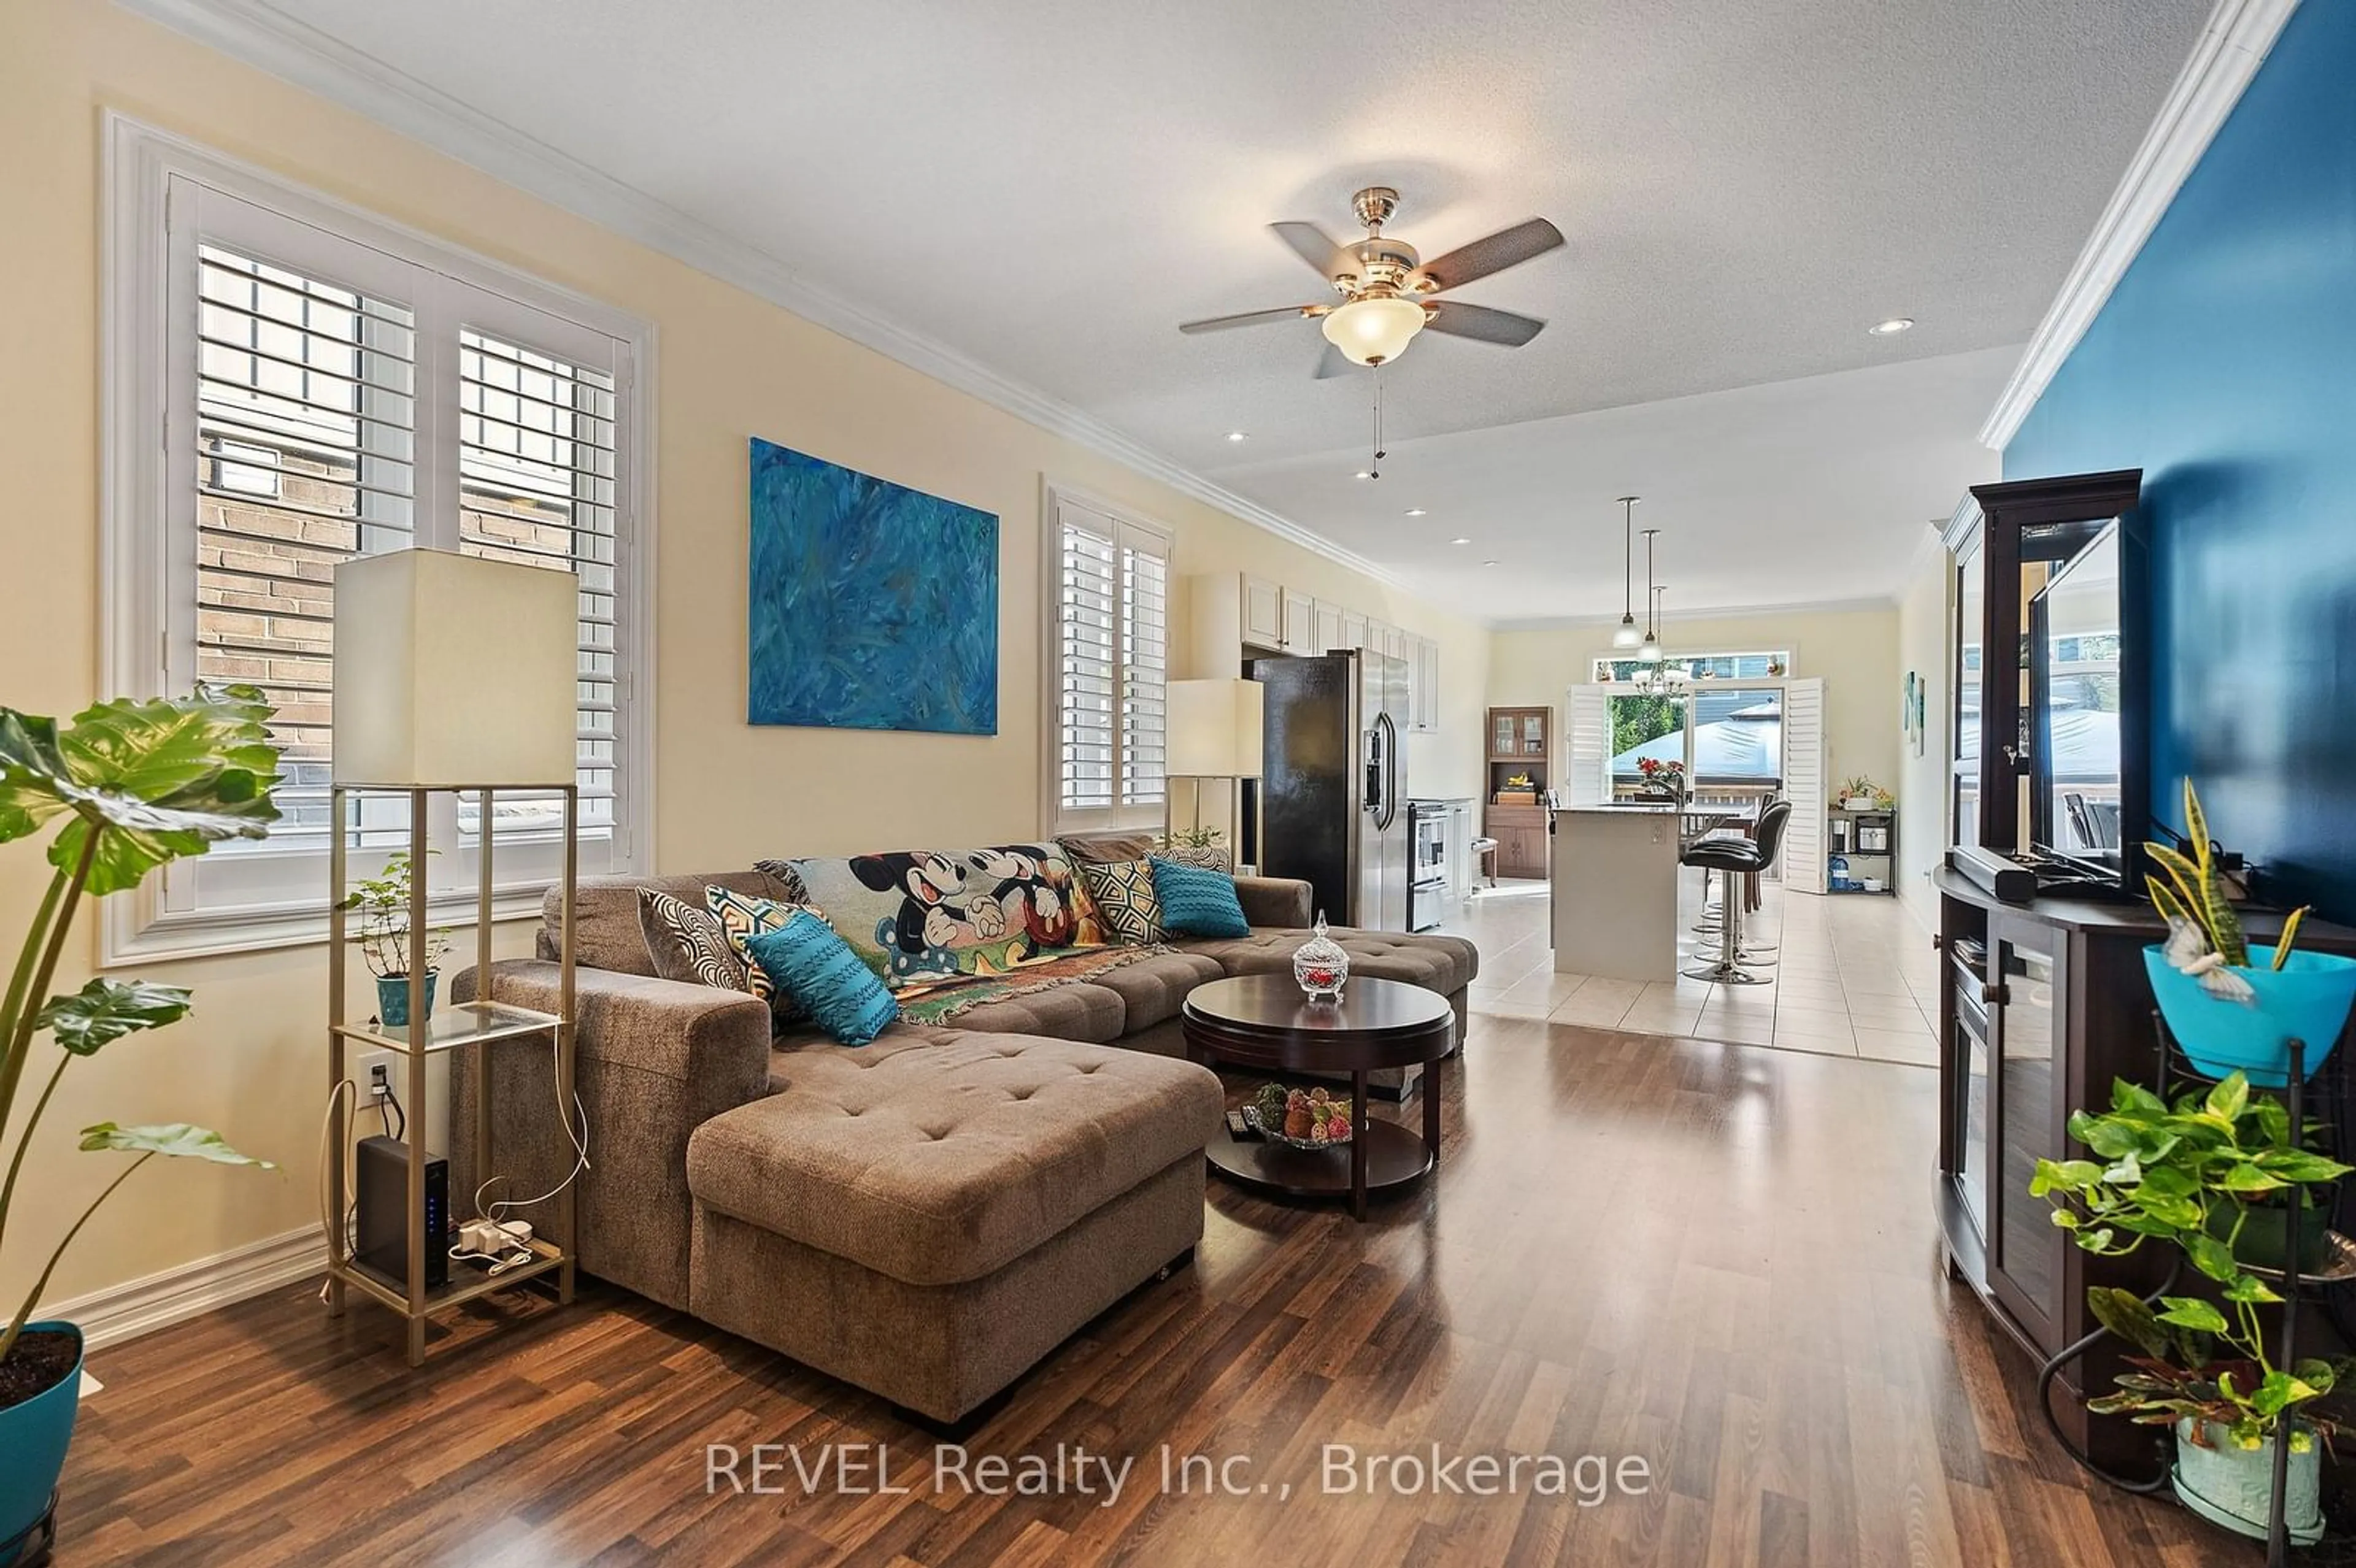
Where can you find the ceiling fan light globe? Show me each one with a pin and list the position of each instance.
(1372, 331)
(1626, 636)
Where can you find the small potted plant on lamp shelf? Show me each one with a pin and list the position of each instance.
(2232, 1004)
(135, 783)
(382, 902)
(2218, 1175)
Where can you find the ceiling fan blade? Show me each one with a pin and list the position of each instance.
(1506, 248)
(1314, 246)
(1332, 362)
(1253, 317)
(1478, 321)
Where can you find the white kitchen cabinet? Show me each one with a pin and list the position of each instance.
(1263, 613)
(1423, 684)
(1299, 623)
(1327, 637)
(1354, 630)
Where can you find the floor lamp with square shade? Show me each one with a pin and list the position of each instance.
(1213, 733)
(454, 675)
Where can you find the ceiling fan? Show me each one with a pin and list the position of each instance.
(1385, 286)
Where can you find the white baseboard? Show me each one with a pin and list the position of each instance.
(140, 1307)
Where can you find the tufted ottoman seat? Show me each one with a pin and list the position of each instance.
(929, 1215)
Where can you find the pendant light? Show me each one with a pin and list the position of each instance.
(1649, 649)
(1625, 635)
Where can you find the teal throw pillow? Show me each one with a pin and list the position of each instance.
(804, 959)
(1197, 902)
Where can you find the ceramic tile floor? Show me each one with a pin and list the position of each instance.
(1856, 976)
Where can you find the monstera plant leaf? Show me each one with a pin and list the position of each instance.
(157, 780)
(106, 1010)
(168, 1137)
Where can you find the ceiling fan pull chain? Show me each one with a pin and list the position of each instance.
(1377, 471)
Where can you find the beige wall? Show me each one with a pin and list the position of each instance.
(1922, 612)
(730, 366)
(1855, 652)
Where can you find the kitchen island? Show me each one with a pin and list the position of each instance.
(1615, 891)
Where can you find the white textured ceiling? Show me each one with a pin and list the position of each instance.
(1049, 186)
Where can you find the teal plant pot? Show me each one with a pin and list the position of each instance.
(2234, 1487)
(2306, 999)
(392, 998)
(32, 1440)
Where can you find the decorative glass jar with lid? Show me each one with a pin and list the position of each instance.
(1321, 967)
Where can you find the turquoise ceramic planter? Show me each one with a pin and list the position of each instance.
(2307, 999)
(392, 998)
(2234, 1487)
(33, 1438)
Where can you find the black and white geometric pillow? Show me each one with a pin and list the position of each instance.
(688, 943)
(1125, 899)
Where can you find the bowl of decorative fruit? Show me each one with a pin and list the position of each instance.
(1300, 1118)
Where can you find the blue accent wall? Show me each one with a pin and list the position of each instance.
(2225, 367)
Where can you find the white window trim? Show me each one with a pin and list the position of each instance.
(156, 920)
(1054, 821)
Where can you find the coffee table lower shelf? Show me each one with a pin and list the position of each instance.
(1396, 1158)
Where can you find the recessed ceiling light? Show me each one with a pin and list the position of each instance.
(1488, 563)
(1460, 541)
(1237, 434)
(1892, 327)
(1415, 512)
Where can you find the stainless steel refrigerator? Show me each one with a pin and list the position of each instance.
(1333, 791)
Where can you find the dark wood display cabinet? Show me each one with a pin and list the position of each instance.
(2044, 1005)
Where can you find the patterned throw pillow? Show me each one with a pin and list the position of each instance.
(1210, 857)
(1196, 902)
(689, 943)
(742, 917)
(1122, 892)
(804, 959)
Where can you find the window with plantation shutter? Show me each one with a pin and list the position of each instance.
(298, 385)
(1111, 605)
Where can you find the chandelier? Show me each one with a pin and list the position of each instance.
(1660, 675)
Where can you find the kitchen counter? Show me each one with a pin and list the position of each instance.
(1615, 891)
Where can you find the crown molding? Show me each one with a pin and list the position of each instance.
(2233, 46)
(1878, 602)
(267, 38)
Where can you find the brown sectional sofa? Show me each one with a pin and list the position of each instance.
(926, 1216)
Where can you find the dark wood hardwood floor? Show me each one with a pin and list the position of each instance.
(1718, 1258)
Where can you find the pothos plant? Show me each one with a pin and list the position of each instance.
(382, 902)
(137, 784)
(2191, 1175)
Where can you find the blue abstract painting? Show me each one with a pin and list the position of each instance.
(873, 606)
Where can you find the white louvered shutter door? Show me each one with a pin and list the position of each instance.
(1588, 714)
(1803, 784)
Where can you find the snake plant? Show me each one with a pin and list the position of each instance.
(2190, 896)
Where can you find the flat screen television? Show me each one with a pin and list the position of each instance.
(2088, 804)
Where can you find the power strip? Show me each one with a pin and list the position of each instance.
(491, 1236)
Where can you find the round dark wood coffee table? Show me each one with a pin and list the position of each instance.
(1263, 1022)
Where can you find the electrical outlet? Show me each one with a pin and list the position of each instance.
(373, 1073)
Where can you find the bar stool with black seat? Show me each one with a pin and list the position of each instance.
(1713, 916)
(1736, 857)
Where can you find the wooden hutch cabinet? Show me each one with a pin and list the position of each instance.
(2044, 1003)
(1519, 742)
